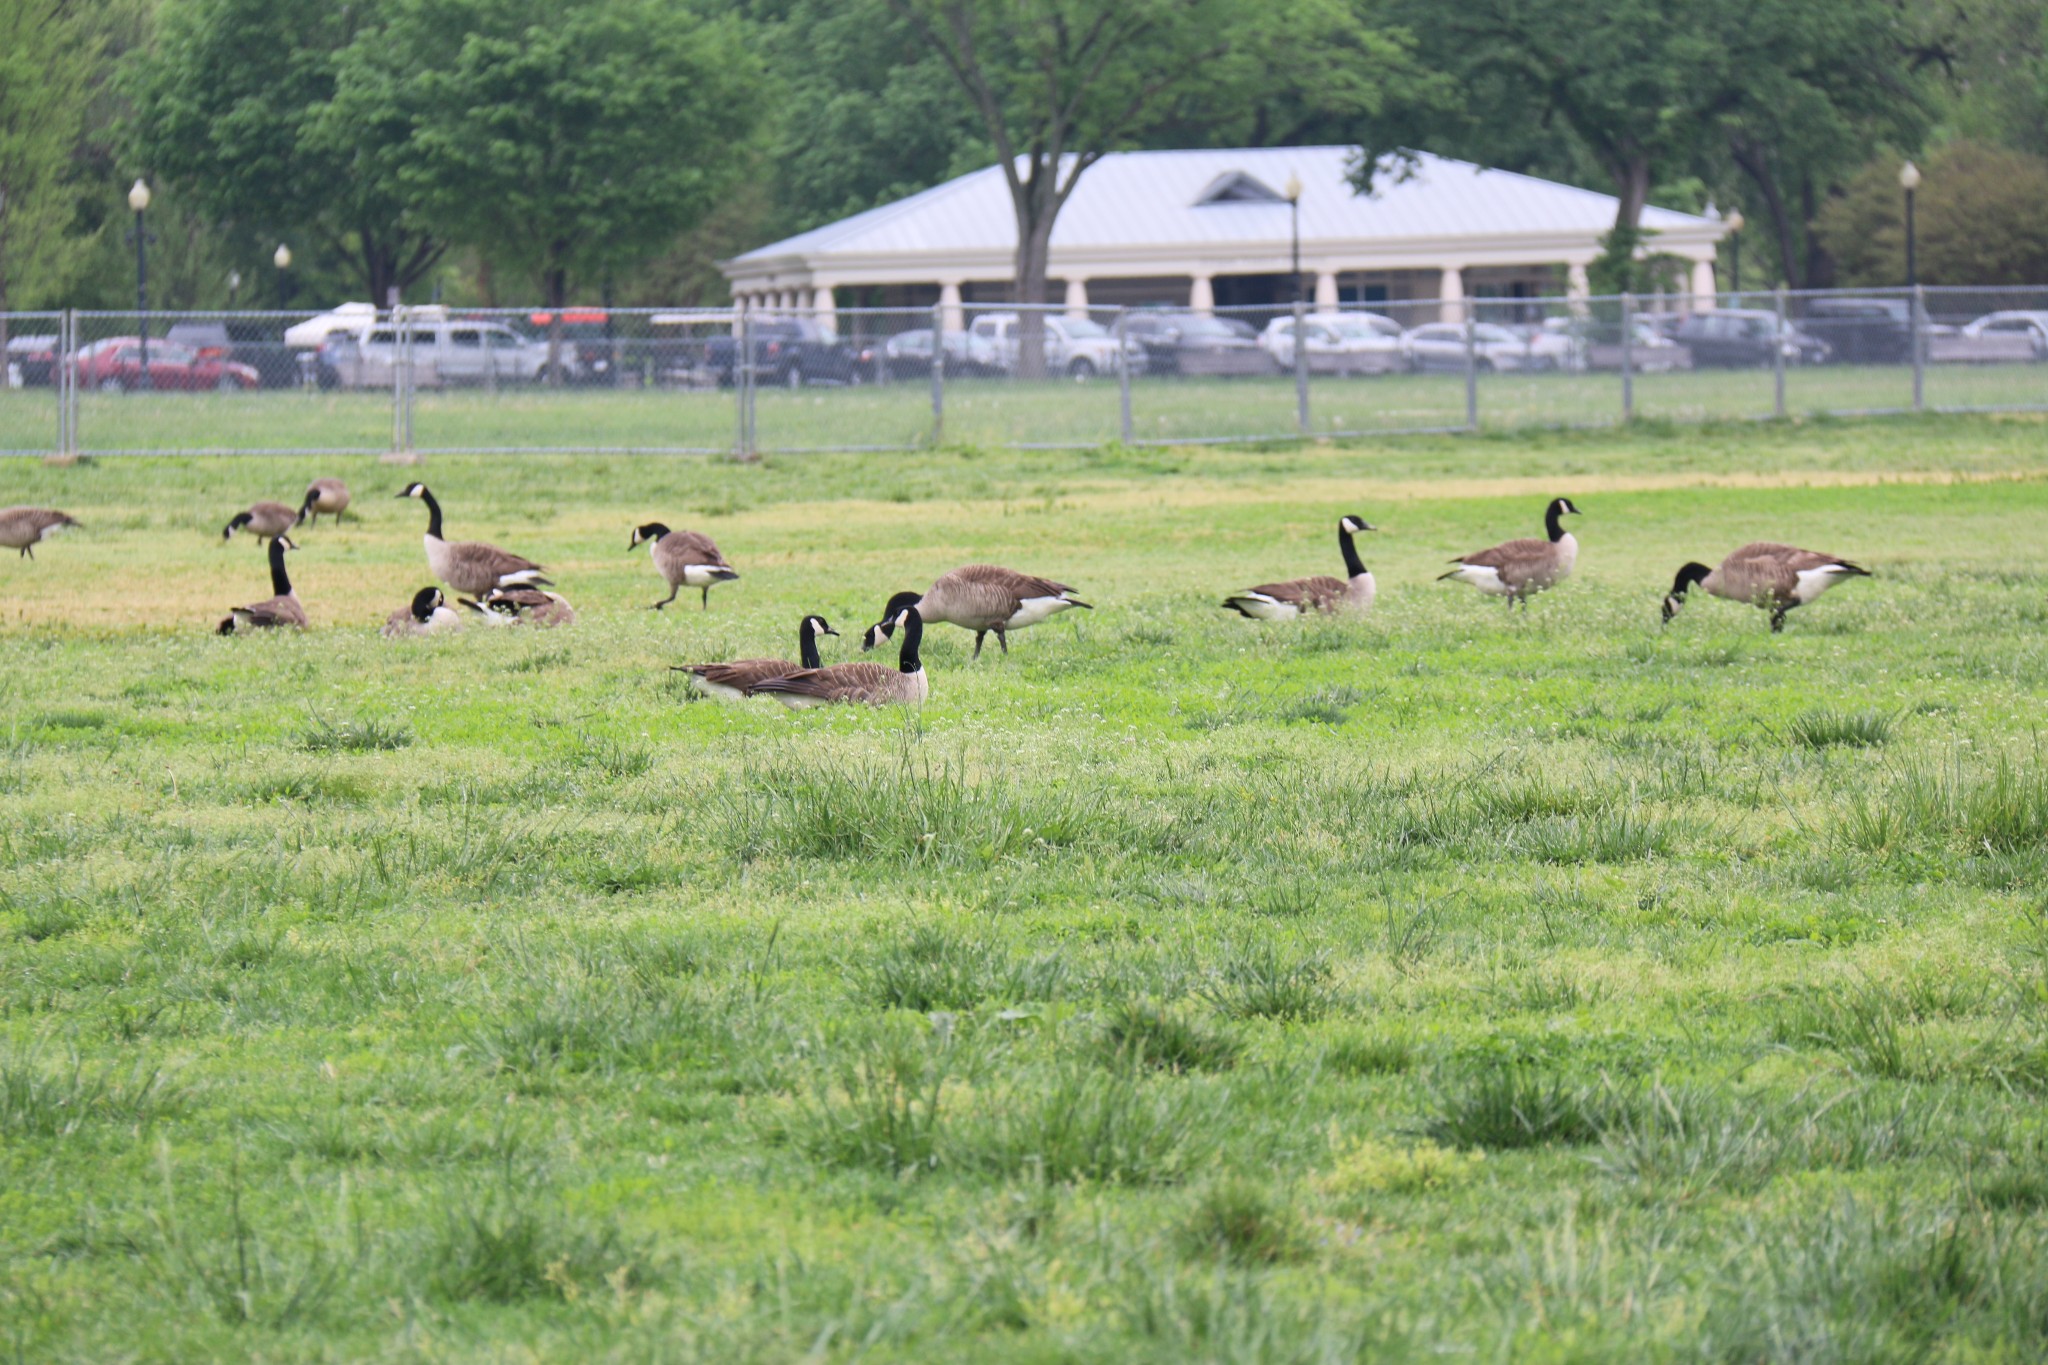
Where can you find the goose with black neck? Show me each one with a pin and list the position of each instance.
(1298, 596)
(472, 566)
(734, 680)
(280, 609)
(1519, 569)
(871, 684)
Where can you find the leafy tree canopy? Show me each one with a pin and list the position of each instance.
(1980, 217)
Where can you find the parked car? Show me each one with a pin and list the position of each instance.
(455, 352)
(587, 338)
(1339, 343)
(1649, 352)
(31, 361)
(1440, 347)
(1862, 331)
(788, 351)
(2007, 331)
(908, 355)
(1746, 337)
(1079, 348)
(276, 365)
(1198, 344)
(1549, 348)
(115, 364)
(354, 318)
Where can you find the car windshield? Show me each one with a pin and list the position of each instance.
(1213, 329)
(1084, 327)
(1354, 328)
(1487, 331)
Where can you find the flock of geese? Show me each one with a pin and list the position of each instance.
(498, 588)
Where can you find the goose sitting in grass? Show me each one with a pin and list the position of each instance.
(1299, 596)
(1519, 569)
(264, 520)
(868, 683)
(471, 566)
(733, 680)
(280, 609)
(982, 598)
(684, 559)
(429, 614)
(1764, 574)
(521, 606)
(23, 528)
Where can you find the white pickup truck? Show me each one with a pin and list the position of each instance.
(444, 352)
(1079, 348)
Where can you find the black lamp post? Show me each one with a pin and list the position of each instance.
(1293, 192)
(1735, 223)
(234, 287)
(1909, 180)
(138, 200)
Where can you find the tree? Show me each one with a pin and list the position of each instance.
(562, 139)
(235, 105)
(1058, 84)
(1981, 218)
(47, 67)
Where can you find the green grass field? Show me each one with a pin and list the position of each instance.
(977, 412)
(1442, 984)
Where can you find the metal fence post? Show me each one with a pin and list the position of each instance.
(1778, 353)
(1919, 347)
(1123, 374)
(1471, 370)
(938, 374)
(1301, 366)
(398, 368)
(65, 377)
(743, 384)
(1628, 357)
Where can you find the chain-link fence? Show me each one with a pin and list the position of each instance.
(426, 380)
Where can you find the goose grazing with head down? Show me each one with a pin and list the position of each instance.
(522, 606)
(280, 609)
(872, 684)
(685, 559)
(324, 495)
(471, 566)
(734, 680)
(1519, 569)
(1299, 596)
(429, 614)
(21, 528)
(1764, 574)
(264, 520)
(984, 598)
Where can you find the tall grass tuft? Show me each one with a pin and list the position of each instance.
(1827, 728)
(1145, 1033)
(1505, 1107)
(1241, 1219)
(2002, 812)
(361, 735)
(506, 1246)
(1077, 1122)
(1262, 980)
(42, 1100)
(935, 968)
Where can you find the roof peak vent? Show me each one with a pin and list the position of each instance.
(1239, 187)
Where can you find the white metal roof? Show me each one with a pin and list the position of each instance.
(1134, 206)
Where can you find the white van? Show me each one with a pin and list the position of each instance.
(444, 352)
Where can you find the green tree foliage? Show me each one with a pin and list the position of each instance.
(1981, 217)
(48, 59)
(235, 106)
(564, 140)
(1057, 84)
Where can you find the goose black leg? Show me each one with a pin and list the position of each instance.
(27, 550)
(979, 636)
(1003, 639)
(1777, 622)
(672, 591)
(707, 596)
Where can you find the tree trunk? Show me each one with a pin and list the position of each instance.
(558, 297)
(1820, 266)
(1753, 164)
(1035, 206)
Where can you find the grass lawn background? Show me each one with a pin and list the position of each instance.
(1179, 987)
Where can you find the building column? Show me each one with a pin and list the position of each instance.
(826, 309)
(1201, 295)
(1577, 289)
(1077, 297)
(1450, 293)
(951, 317)
(1326, 291)
(1703, 291)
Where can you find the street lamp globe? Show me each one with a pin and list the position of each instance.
(1293, 188)
(1909, 177)
(138, 196)
(1734, 220)
(283, 257)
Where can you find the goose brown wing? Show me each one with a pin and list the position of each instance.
(274, 611)
(1506, 553)
(690, 547)
(1317, 593)
(742, 674)
(983, 595)
(480, 558)
(856, 682)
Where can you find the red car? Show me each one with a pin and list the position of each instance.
(115, 364)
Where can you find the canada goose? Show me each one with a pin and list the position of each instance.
(1519, 569)
(264, 520)
(470, 565)
(1286, 601)
(1765, 574)
(522, 606)
(874, 684)
(984, 598)
(324, 495)
(22, 527)
(733, 680)
(429, 614)
(282, 609)
(686, 559)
